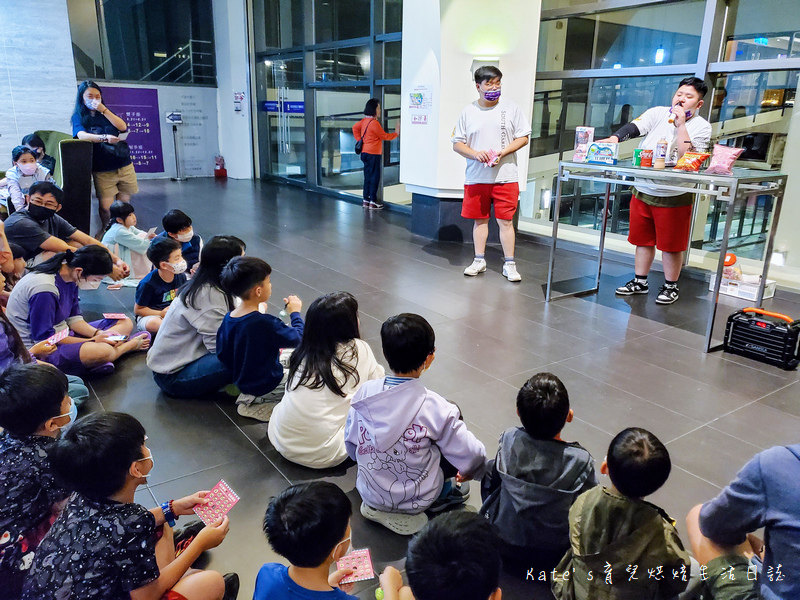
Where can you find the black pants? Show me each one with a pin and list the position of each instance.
(372, 176)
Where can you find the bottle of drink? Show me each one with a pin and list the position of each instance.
(660, 155)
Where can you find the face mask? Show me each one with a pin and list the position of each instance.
(40, 213)
(153, 466)
(28, 168)
(178, 267)
(492, 95)
(185, 237)
(92, 104)
(72, 414)
(349, 546)
(85, 284)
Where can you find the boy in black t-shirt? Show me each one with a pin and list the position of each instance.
(128, 550)
(34, 407)
(178, 226)
(159, 287)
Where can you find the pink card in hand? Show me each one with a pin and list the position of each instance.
(57, 337)
(220, 500)
(113, 316)
(360, 562)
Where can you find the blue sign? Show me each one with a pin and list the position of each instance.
(288, 107)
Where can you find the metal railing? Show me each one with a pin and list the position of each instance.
(192, 63)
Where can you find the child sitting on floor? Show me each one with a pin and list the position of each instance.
(159, 287)
(20, 177)
(622, 547)
(456, 555)
(126, 241)
(408, 441)
(128, 549)
(309, 525)
(249, 342)
(535, 478)
(178, 226)
(34, 408)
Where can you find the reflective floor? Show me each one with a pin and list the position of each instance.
(624, 362)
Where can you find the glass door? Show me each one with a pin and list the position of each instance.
(281, 118)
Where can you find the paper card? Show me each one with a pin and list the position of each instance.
(114, 316)
(220, 501)
(57, 337)
(117, 338)
(152, 230)
(493, 157)
(361, 563)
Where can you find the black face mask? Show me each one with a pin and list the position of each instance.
(40, 213)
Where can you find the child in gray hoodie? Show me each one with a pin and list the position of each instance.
(535, 479)
(405, 437)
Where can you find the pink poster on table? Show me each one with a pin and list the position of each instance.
(138, 107)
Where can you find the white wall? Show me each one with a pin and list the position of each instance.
(440, 41)
(37, 75)
(233, 75)
(787, 238)
(198, 136)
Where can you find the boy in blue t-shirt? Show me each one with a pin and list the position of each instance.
(159, 287)
(309, 525)
(178, 226)
(249, 342)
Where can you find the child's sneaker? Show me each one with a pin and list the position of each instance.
(634, 286)
(667, 294)
(260, 411)
(458, 494)
(510, 271)
(478, 266)
(231, 586)
(185, 535)
(400, 523)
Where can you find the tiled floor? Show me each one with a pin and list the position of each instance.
(624, 362)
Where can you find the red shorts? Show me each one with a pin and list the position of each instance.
(170, 595)
(478, 199)
(666, 228)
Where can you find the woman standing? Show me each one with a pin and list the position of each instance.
(369, 131)
(112, 169)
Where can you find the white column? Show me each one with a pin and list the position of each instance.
(441, 38)
(233, 75)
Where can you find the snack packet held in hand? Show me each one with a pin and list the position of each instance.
(722, 160)
(691, 161)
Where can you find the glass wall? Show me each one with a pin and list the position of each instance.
(312, 91)
(763, 31)
(143, 40)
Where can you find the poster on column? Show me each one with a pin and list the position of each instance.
(420, 103)
(138, 107)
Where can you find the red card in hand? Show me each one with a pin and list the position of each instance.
(57, 337)
(361, 563)
(114, 316)
(219, 501)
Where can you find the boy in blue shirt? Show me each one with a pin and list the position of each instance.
(178, 226)
(249, 342)
(159, 287)
(309, 525)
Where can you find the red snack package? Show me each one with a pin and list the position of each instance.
(691, 161)
(722, 160)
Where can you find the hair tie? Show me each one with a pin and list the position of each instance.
(68, 256)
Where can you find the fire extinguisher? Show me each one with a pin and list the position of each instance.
(220, 172)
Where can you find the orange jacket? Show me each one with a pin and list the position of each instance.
(373, 140)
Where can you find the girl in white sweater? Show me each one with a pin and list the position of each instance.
(307, 426)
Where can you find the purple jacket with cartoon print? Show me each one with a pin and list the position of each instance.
(398, 436)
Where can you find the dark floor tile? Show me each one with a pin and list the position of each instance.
(786, 399)
(760, 425)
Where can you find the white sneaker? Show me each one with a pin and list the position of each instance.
(510, 271)
(400, 523)
(478, 266)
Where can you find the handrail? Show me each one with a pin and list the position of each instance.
(186, 55)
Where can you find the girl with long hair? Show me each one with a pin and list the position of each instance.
(326, 369)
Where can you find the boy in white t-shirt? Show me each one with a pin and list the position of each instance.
(661, 218)
(488, 134)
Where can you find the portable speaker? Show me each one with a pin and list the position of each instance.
(769, 337)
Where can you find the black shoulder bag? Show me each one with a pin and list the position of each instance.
(360, 143)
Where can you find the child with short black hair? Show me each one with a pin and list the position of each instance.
(622, 546)
(398, 420)
(178, 226)
(309, 525)
(101, 530)
(456, 555)
(34, 408)
(159, 287)
(122, 237)
(535, 478)
(249, 341)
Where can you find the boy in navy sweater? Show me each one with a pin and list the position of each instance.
(249, 342)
